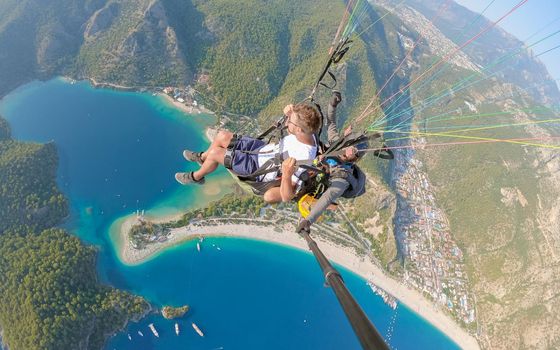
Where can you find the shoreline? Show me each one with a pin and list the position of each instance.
(187, 109)
(340, 255)
(343, 256)
(192, 110)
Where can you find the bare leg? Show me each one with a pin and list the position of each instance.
(272, 195)
(214, 157)
(222, 140)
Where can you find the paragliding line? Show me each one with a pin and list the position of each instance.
(457, 143)
(457, 87)
(444, 59)
(418, 133)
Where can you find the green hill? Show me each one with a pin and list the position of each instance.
(28, 186)
(50, 295)
(499, 200)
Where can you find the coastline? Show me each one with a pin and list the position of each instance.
(193, 110)
(188, 109)
(343, 256)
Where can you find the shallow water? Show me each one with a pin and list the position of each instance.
(118, 153)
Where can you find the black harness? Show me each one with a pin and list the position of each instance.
(273, 164)
(315, 176)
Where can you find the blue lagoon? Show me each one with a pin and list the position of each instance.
(118, 154)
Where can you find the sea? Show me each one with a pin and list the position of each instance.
(118, 153)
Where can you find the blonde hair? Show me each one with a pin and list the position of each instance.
(308, 118)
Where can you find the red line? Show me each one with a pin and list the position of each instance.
(463, 143)
(454, 52)
(420, 37)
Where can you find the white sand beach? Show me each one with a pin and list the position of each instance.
(338, 254)
(184, 108)
(343, 256)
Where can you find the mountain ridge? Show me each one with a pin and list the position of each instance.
(166, 42)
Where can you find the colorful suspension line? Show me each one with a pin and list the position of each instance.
(444, 7)
(480, 128)
(443, 117)
(376, 21)
(404, 97)
(454, 128)
(429, 101)
(447, 64)
(420, 37)
(420, 133)
(460, 143)
(453, 52)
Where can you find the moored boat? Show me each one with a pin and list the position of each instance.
(153, 329)
(197, 329)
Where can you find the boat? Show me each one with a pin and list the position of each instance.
(176, 328)
(197, 329)
(140, 334)
(390, 300)
(129, 337)
(218, 248)
(153, 329)
(198, 246)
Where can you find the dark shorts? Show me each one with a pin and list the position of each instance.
(246, 163)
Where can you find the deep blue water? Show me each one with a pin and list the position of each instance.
(118, 153)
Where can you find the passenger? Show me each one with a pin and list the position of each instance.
(244, 155)
(345, 178)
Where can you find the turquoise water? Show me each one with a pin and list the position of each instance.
(118, 153)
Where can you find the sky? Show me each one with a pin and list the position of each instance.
(542, 16)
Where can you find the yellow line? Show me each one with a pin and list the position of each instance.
(505, 125)
(415, 133)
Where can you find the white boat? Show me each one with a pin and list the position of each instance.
(218, 248)
(140, 334)
(197, 329)
(129, 337)
(198, 246)
(176, 328)
(153, 329)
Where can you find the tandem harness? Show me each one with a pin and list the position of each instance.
(271, 165)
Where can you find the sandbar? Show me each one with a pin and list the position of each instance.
(286, 236)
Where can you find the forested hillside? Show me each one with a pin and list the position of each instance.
(49, 295)
(28, 187)
(497, 202)
(523, 70)
(39, 39)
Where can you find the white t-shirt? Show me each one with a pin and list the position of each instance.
(289, 146)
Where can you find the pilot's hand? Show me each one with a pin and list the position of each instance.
(304, 226)
(289, 167)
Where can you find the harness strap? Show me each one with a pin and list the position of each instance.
(278, 125)
(334, 81)
(228, 157)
